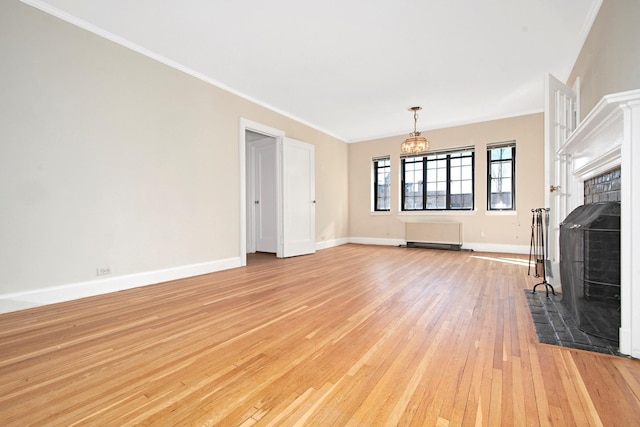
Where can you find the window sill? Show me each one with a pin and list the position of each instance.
(380, 213)
(501, 213)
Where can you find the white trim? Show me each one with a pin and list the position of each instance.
(377, 241)
(497, 247)
(505, 212)
(478, 247)
(600, 164)
(326, 244)
(37, 297)
(502, 144)
(44, 7)
(630, 231)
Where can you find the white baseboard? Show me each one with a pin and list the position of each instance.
(44, 296)
(496, 247)
(624, 337)
(326, 244)
(479, 247)
(377, 241)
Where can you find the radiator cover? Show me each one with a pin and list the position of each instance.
(444, 235)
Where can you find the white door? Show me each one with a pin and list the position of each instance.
(265, 198)
(298, 198)
(560, 120)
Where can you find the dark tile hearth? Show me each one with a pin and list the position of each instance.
(554, 325)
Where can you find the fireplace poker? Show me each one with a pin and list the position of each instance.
(531, 245)
(541, 248)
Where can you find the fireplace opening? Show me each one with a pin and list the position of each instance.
(590, 268)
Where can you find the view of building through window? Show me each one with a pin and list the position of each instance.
(445, 180)
(501, 163)
(441, 181)
(382, 184)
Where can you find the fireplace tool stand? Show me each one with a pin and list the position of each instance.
(539, 249)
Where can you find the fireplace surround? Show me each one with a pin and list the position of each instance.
(609, 138)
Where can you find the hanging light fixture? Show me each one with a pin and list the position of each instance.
(415, 144)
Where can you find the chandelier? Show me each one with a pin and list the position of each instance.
(415, 143)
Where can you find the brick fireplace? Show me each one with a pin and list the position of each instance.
(603, 153)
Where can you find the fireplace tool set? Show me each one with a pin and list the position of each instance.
(539, 251)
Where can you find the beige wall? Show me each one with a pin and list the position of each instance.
(609, 61)
(508, 232)
(109, 158)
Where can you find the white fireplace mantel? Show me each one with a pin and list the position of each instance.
(607, 138)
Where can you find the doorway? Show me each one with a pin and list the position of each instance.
(294, 191)
(262, 211)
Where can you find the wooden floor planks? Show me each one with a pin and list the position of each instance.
(354, 335)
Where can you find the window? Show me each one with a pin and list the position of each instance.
(501, 180)
(438, 181)
(381, 184)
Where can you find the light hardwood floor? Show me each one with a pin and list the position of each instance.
(353, 335)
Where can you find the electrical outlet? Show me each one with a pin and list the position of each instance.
(103, 271)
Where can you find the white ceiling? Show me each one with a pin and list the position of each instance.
(352, 68)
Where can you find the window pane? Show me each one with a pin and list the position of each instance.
(467, 172)
(495, 170)
(382, 169)
(506, 185)
(495, 185)
(506, 169)
(501, 201)
(500, 188)
(412, 176)
(413, 196)
(449, 181)
(455, 174)
(467, 187)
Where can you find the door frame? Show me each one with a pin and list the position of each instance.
(248, 125)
